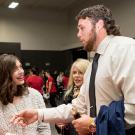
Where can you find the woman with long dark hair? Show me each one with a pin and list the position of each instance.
(15, 96)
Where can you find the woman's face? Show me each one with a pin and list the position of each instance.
(77, 77)
(18, 74)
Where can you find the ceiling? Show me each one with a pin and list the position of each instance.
(44, 4)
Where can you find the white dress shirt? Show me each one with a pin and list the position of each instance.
(115, 79)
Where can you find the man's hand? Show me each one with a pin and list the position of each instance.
(25, 117)
(82, 125)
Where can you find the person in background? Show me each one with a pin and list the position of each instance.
(35, 81)
(75, 82)
(51, 89)
(114, 80)
(60, 79)
(60, 86)
(65, 80)
(27, 73)
(77, 71)
(55, 74)
(15, 96)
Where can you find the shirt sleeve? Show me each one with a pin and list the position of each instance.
(124, 79)
(43, 128)
(79, 103)
(63, 113)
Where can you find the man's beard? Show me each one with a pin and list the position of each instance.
(91, 42)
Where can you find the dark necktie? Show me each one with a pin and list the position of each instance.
(92, 86)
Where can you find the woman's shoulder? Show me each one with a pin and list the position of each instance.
(35, 98)
(33, 91)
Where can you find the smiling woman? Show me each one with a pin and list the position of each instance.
(15, 96)
(77, 72)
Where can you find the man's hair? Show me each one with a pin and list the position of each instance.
(100, 12)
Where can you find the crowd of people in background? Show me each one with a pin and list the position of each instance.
(51, 85)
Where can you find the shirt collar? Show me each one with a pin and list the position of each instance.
(104, 44)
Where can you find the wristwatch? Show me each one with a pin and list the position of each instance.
(92, 126)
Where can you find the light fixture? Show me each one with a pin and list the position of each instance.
(13, 5)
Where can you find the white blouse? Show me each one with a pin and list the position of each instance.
(32, 100)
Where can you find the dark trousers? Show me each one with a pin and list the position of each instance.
(52, 99)
(130, 131)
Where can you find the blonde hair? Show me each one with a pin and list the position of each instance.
(81, 65)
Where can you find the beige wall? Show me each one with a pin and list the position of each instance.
(123, 12)
(56, 30)
(41, 30)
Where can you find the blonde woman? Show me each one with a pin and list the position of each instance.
(77, 71)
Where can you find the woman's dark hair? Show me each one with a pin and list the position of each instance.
(98, 12)
(8, 89)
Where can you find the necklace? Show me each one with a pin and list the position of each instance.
(76, 91)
